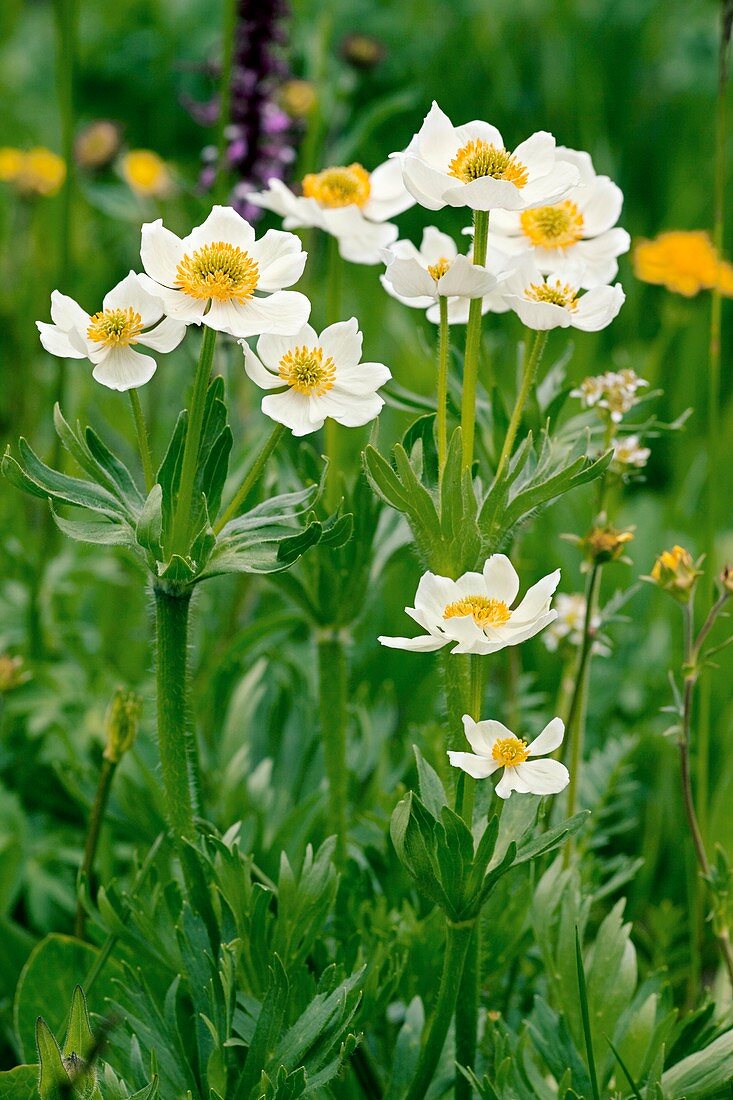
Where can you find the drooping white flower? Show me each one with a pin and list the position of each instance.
(628, 453)
(317, 377)
(221, 276)
(576, 239)
(494, 746)
(546, 302)
(447, 165)
(474, 613)
(129, 316)
(616, 392)
(348, 202)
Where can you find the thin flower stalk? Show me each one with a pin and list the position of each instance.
(96, 819)
(473, 342)
(579, 699)
(174, 742)
(529, 374)
(441, 424)
(193, 438)
(331, 428)
(332, 696)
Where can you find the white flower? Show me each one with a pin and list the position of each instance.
(614, 391)
(317, 377)
(568, 627)
(447, 165)
(108, 339)
(418, 277)
(350, 203)
(494, 746)
(628, 452)
(547, 302)
(475, 612)
(219, 275)
(575, 238)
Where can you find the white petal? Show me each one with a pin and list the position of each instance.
(536, 600)
(478, 130)
(598, 307)
(343, 343)
(433, 595)
(222, 224)
(425, 643)
(413, 303)
(466, 280)
(537, 153)
(349, 410)
(409, 279)
(437, 140)
(482, 736)
(130, 293)
(283, 313)
(477, 766)
(425, 183)
(161, 252)
(500, 578)
(540, 316)
(164, 337)
(600, 204)
(57, 342)
(437, 246)
(362, 379)
(550, 738)
(506, 784)
(543, 776)
(280, 258)
(68, 314)
(271, 349)
(544, 190)
(124, 369)
(258, 372)
(175, 302)
(292, 410)
(388, 196)
(485, 193)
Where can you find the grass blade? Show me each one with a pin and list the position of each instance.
(582, 990)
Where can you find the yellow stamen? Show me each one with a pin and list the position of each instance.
(115, 328)
(439, 268)
(484, 610)
(510, 751)
(334, 187)
(556, 294)
(220, 271)
(478, 159)
(306, 371)
(559, 226)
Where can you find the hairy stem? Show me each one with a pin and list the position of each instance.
(193, 440)
(174, 738)
(458, 938)
(473, 343)
(332, 430)
(441, 420)
(332, 689)
(576, 712)
(252, 476)
(225, 97)
(142, 439)
(531, 363)
(94, 827)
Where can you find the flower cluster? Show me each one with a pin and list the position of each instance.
(615, 392)
(33, 173)
(567, 629)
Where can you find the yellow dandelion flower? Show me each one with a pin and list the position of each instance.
(146, 173)
(684, 262)
(36, 172)
(11, 162)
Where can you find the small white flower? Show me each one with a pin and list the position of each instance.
(348, 202)
(628, 452)
(567, 628)
(576, 239)
(447, 165)
(418, 277)
(494, 746)
(108, 338)
(615, 392)
(544, 303)
(475, 611)
(317, 377)
(221, 276)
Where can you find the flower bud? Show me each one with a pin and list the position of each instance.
(82, 1076)
(363, 51)
(121, 724)
(298, 98)
(676, 573)
(604, 544)
(12, 673)
(97, 144)
(726, 579)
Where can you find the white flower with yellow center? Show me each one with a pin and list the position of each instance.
(628, 453)
(545, 302)
(474, 613)
(418, 277)
(129, 317)
(494, 746)
(221, 276)
(317, 377)
(576, 238)
(348, 202)
(447, 165)
(616, 392)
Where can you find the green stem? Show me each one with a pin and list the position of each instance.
(458, 938)
(473, 342)
(441, 421)
(332, 430)
(225, 98)
(142, 439)
(252, 477)
(332, 688)
(531, 363)
(576, 713)
(193, 440)
(173, 709)
(104, 786)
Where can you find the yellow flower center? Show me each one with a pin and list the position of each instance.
(479, 158)
(671, 560)
(220, 271)
(556, 294)
(559, 226)
(335, 187)
(115, 328)
(484, 610)
(439, 268)
(306, 371)
(510, 751)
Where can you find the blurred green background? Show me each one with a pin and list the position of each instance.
(631, 81)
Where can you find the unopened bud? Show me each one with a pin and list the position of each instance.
(676, 573)
(604, 544)
(12, 673)
(726, 579)
(363, 51)
(121, 724)
(97, 144)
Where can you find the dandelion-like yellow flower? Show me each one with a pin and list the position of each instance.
(684, 262)
(35, 172)
(146, 173)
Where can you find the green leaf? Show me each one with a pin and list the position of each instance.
(20, 1083)
(551, 839)
(702, 1073)
(150, 523)
(585, 1016)
(79, 1039)
(432, 791)
(53, 1081)
(267, 1031)
(99, 532)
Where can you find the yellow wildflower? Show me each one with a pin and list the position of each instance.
(684, 262)
(146, 173)
(36, 172)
